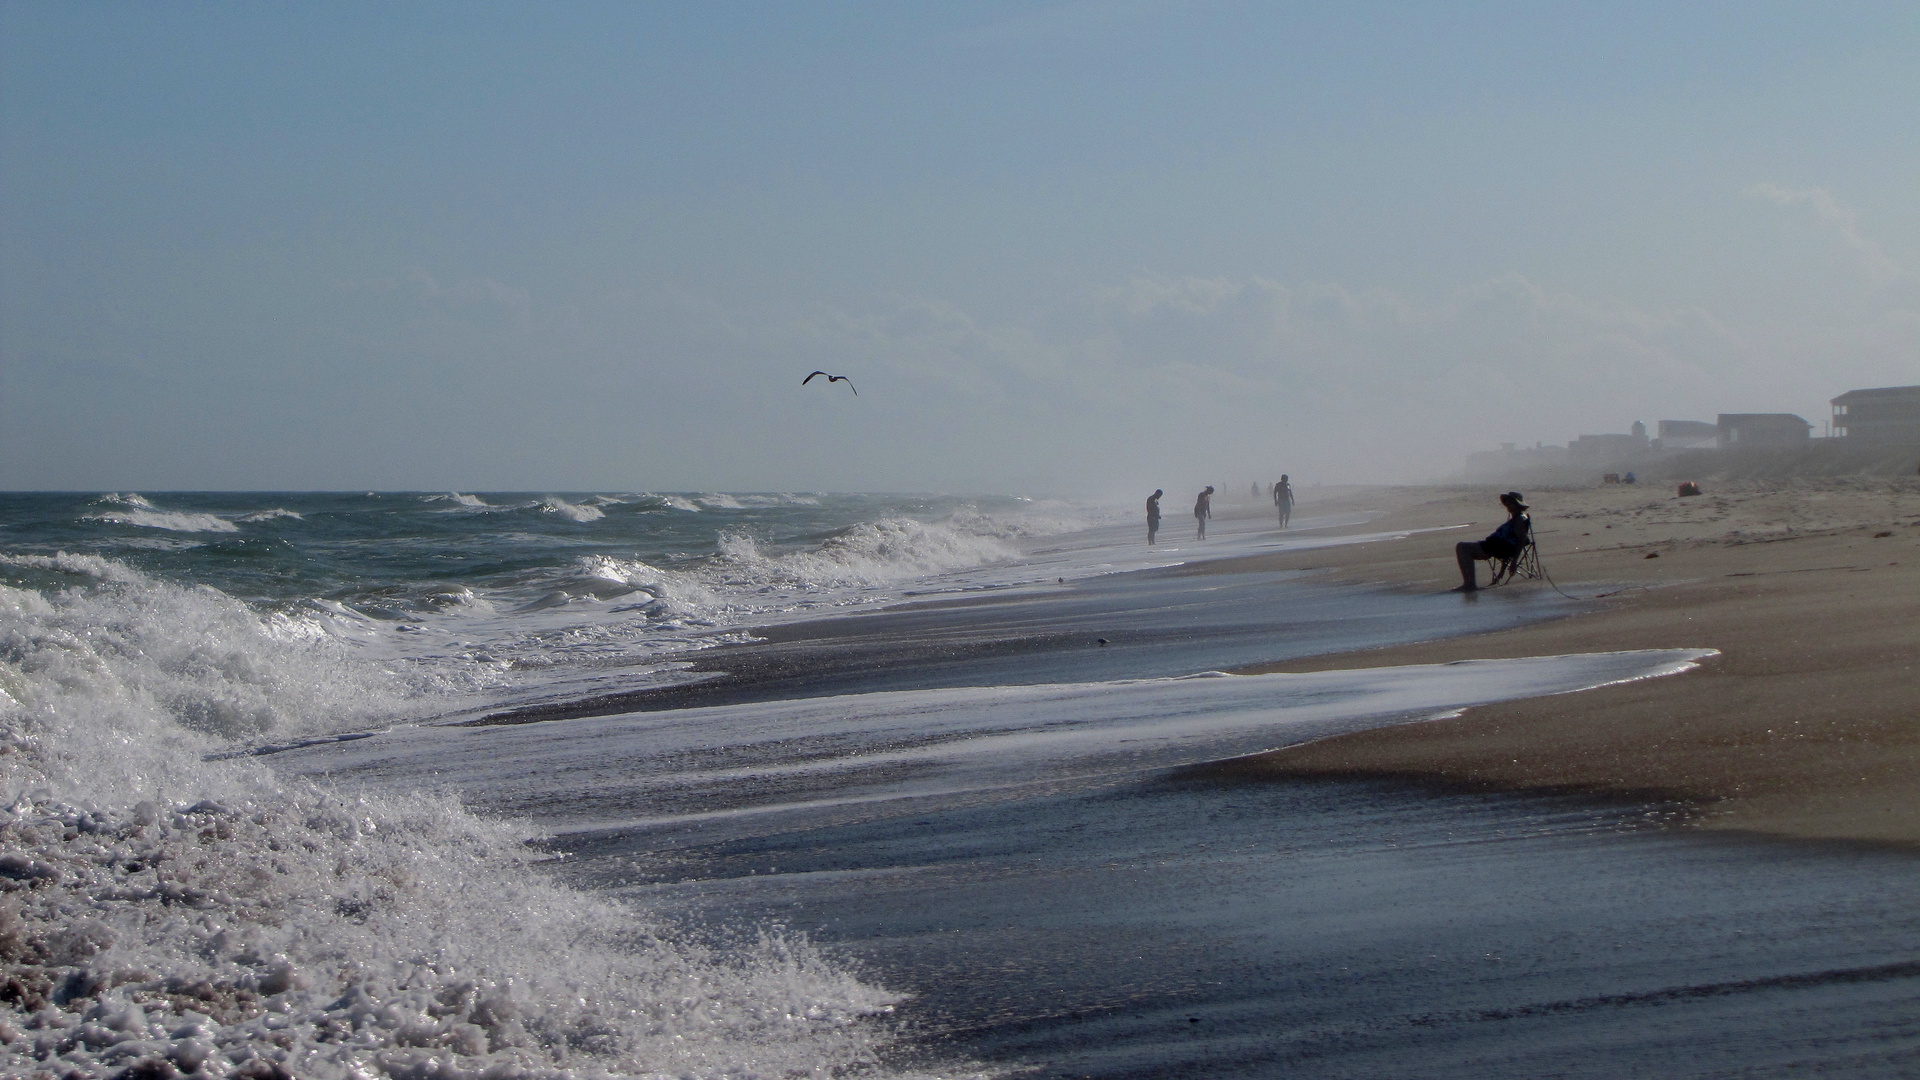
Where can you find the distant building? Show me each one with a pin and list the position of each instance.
(1688, 435)
(1511, 459)
(1762, 429)
(1592, 447)
(1889, 414)
(1589, 447)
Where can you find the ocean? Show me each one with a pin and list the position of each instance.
(798, 784)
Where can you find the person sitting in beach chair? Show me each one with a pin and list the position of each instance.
(1509, 548)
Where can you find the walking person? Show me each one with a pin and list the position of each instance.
(1202, 510)
(1153, 514)
(1283, 500)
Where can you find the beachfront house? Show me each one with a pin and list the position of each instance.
(1688, 435)
(1762, 429)
(1887, 414)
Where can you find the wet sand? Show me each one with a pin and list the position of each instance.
(1807, 724)
(1132, 921)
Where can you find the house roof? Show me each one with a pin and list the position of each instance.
(1748, 417)
(1893, 393)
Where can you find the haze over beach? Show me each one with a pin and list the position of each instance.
(1062, 247)
(459, 621)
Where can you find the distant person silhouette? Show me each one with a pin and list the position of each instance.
(1202, 510)
(1283, 500)
(1504, 543)
(1153, 514)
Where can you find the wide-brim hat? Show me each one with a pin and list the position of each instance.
(1515, 499)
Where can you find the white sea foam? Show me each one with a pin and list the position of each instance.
(271, 515)
(471, 502)
(160, 910)
(719, 501)
(631, 585)
(868, 554)
(631, 576)
(175, 521)
(605, 609)
(782, 499)
(964, 743)
(677, 503)
(573, 511)
(114, 498)
(132, 652)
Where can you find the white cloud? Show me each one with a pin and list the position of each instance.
(1839, 219)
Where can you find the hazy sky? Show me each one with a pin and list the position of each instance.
(1058, 246)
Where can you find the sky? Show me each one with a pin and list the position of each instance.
(1057, 247)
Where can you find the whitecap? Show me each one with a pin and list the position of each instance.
(114, 498)
(574, 511)
(206, 914)
(271, 515)
(171, 520)
(471, 502)
(868, 554)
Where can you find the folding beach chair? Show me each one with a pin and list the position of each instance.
(1524, 564)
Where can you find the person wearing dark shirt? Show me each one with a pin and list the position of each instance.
(1503, 543)
(1283, 500)
(1153, 513)
(1202, 510)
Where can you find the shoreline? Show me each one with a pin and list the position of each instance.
(1807, 725)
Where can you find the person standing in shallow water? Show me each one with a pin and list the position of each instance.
(1202, 510)
(1153, 514)
(1283, 500)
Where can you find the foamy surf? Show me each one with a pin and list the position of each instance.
(169, 520)
(923, 747)
(570, 511)
(168, 914)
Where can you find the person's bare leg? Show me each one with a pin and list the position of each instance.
(1465, 552)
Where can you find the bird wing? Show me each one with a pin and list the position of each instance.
(849, 382)
(815, 375)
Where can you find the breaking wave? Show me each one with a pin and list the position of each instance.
(165, 909)
(573, 511)
(173, 521)
(869, 554)
(271, 515)
(137, 510)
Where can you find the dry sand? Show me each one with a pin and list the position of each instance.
(1806, 725)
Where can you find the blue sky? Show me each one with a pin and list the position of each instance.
(1079, 246)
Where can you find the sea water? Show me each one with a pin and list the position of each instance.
(246, 834)
(171, 897)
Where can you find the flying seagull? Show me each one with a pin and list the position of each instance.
(831, 379)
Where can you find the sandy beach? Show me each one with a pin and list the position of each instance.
(1806, 725)
(1001, 801)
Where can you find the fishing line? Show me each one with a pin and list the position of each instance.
(1542, 564)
